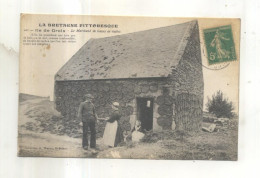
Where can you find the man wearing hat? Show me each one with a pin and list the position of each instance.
(88, 116)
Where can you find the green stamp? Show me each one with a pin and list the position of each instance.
(219, 44)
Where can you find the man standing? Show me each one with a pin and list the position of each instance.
(88, 116)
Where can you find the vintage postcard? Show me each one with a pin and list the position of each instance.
(129, 87)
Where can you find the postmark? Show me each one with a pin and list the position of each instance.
(219, 44)
(152, 77)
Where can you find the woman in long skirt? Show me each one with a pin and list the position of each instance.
(113, 134)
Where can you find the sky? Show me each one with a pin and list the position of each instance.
(39, 64)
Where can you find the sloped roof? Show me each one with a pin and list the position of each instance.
(144, 54)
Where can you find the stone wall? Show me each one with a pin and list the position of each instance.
(69, 94)
(189, 86)
(178, 99)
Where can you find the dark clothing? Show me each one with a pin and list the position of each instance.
(115, 116)
(86, 111)
(87, 114)
(119, 135)
(91, 126)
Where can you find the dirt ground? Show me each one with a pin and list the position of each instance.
(35, 140)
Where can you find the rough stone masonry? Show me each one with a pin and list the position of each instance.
(163, 64)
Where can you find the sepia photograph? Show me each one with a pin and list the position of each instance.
(129, 87)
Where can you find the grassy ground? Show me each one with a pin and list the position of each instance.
(179, 146)
(42, 132)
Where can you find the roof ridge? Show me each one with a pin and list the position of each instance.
(152, 29)
(184, 41)
(137, 55)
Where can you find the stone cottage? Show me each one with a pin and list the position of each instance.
(155, 75)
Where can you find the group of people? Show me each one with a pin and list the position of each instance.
(113, 134)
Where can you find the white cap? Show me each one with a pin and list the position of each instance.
(116, 104)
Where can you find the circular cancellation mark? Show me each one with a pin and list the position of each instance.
(218, 66)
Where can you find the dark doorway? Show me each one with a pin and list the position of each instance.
(145, 112)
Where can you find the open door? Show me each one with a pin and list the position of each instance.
(145, 112)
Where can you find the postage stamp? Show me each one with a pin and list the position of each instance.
(115, 87)
(219, 44)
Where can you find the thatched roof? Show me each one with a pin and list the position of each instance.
(145, 54)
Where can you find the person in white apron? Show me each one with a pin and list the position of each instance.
(113, 134)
